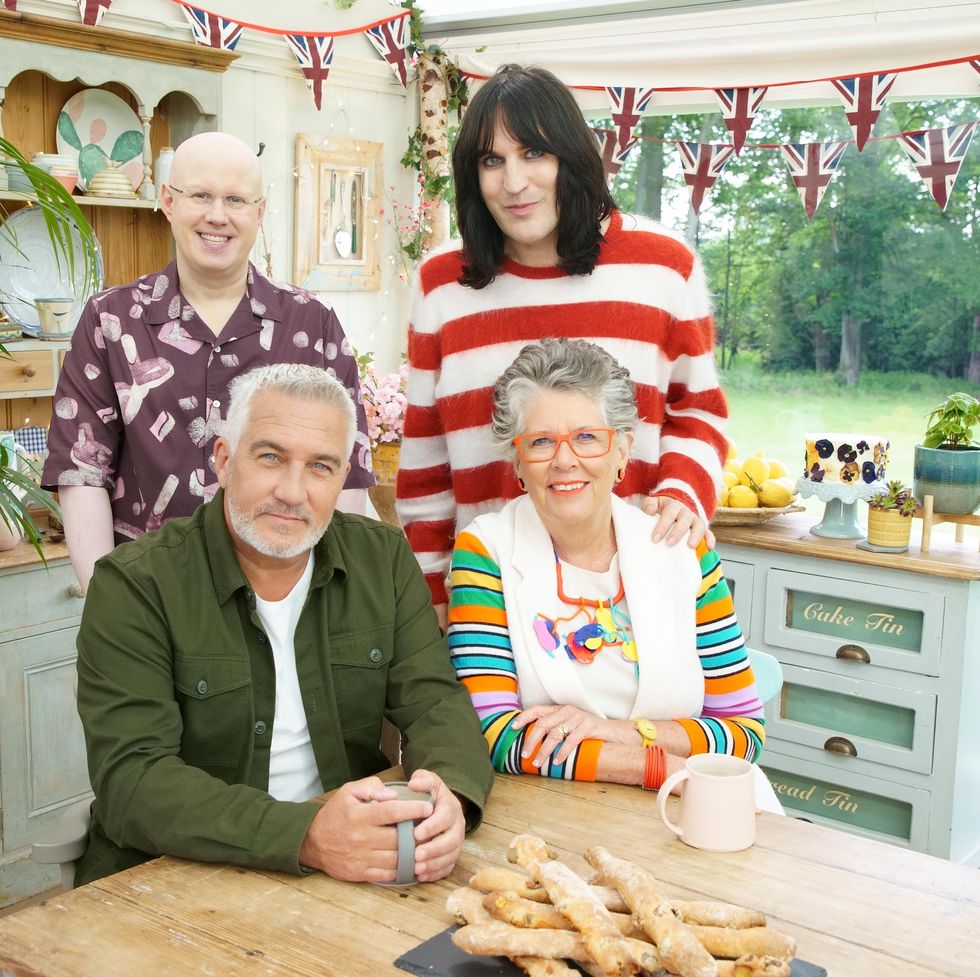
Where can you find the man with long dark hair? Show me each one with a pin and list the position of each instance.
(545, 253)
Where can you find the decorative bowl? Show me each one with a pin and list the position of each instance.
(729, 516)
(110, 182)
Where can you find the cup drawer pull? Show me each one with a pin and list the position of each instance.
(841, 746)
(853, 653)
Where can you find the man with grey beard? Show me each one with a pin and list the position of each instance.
(236, 663)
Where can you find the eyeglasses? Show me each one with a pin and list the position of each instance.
(590, 442)
(204, 200)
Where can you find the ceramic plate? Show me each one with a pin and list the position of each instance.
(30, 269)
(95, 126)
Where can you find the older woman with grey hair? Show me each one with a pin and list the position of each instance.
(590, 651)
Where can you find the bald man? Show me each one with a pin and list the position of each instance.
(144, 388)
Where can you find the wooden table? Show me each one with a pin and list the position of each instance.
(855, 906)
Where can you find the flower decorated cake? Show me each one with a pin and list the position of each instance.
(845, 460)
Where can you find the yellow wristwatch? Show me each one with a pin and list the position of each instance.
(648, 730)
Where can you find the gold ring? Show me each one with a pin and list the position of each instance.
(563, 729)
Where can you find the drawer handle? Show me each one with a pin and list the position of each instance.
(853, 653)
(29, 370)
(75, 590)
(841, 746)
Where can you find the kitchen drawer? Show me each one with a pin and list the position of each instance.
(859, 624)
(863, 805)
(881, 724)
(29, 372)
(740, 578)
(35, 597)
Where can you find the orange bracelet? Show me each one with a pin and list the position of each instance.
(655, 767)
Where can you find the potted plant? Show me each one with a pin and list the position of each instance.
(19, 492)
(384, 399)
(947, 463)
(890, 517)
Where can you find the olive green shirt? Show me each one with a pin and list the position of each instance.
(176, 692)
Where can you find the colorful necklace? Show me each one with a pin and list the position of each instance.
(608, 626)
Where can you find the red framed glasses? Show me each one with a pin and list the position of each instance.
(590, 442)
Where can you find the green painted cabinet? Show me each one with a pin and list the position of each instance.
(42, 752)
(877, 727)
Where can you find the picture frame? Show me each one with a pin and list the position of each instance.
(337, 211)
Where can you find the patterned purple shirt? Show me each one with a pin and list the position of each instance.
(144, 390)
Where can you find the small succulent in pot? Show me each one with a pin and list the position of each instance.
(897, 497)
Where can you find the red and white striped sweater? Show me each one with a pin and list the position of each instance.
(646, 303)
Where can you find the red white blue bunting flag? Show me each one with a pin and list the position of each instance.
(738, 108)
(210, 30)
(314, 52)
(612, 157)
(976, 65)
(10, 4)
(91, 11)
(863, 98)
(628, 105)
(937, 155)
(390, 40)
(812, 167)
(702, 162)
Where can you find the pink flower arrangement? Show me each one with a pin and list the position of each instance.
(384, 401)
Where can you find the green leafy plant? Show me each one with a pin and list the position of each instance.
(19, 492)
(951, 424)
(898, 498)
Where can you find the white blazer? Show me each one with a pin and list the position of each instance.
(661, 584)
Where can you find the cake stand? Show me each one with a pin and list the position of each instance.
(840, 515)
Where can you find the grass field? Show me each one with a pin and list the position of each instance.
(773, 412)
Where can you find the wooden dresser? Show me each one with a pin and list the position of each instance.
(877, 727)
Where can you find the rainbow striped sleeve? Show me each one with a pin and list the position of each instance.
(733, 720)
(480, 649)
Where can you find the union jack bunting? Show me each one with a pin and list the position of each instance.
(702, 162)
(937, 155)
(612, 158)
(314, 52)
(738, 108)
(210, 30)
(10, 4)
(863, 98)
(627, 107)
(812, 166)
(91, 11)
(390, 40)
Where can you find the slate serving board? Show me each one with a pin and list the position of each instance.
(440, 957)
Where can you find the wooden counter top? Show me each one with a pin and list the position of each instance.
(791, 534)
(24, 554)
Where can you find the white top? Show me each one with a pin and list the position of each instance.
(293, 774)
(611, 679)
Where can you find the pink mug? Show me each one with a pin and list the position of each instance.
(717, 802)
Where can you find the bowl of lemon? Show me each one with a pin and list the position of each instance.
(754, 490)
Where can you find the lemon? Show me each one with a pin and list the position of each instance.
(777, 469)
(755, 469)
(723, 495)
(742, 497)
(773, 494)
(732, 450)
(734, 466)
(790, 484)
(730, 478)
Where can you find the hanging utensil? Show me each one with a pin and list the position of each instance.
(355, 201)
(342, 237)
